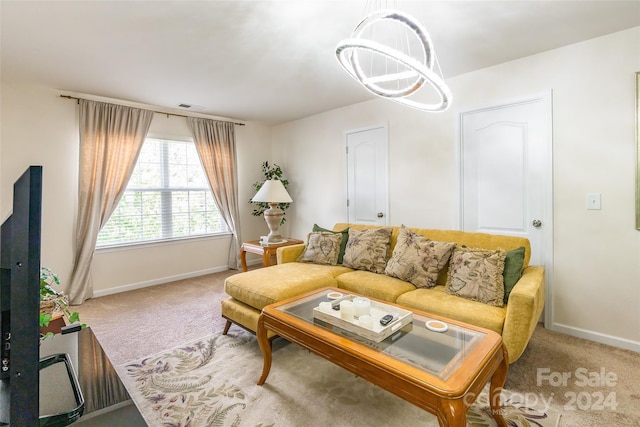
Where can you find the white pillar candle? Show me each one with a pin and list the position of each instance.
(362, 306)
(325, 307)
(347, 310)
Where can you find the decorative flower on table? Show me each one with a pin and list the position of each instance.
(52, 300)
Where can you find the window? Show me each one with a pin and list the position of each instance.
(168, 197)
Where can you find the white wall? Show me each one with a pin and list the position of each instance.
(596, 276)
(39, 127)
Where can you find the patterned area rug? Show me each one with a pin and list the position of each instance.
(212, 382)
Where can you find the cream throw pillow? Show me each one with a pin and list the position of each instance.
(322, 248)
(417, 259)
(476, 274)
(368, 249)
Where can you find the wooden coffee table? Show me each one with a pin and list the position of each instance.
(441, 372)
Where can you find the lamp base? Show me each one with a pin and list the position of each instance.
(265, 242)
(273, 217)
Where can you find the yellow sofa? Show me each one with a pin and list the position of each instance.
(251, 291)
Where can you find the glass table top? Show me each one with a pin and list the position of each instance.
(439, 353)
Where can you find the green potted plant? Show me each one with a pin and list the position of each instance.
(52, 301)
(270, 171)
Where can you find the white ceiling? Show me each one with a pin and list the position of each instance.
(265, 61)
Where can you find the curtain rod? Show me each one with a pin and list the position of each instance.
(159, 112)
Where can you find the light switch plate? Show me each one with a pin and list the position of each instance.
(593, 201)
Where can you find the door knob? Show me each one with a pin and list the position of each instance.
(536, 223)
(380, 214)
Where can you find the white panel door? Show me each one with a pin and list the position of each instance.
(506, 171)
(506, 175)
(367, 182)
(495, 187)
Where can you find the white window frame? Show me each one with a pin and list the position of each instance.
(164, 192)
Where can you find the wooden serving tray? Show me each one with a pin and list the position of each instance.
(377, 332)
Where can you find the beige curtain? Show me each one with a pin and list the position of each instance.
(216, 145)
(110, 140)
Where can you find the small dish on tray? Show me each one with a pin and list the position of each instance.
(334, 295)
(437, 326)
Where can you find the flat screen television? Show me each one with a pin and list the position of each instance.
(20, 238)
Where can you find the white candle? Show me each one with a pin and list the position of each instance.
(362, 306)
(347, 310)
(325, 307)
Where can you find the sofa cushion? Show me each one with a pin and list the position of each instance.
(374, 285)
(368, 249)
(343, 244)
(321, 248)
(512, 270)
(438, 301)
(263, 286)
(476, 274)
(242, 314)
(417, 259)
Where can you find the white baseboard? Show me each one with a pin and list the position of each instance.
(157, 281)
(597, 337)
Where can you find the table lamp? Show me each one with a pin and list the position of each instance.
(273, 193)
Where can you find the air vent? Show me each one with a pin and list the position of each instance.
(188, 106)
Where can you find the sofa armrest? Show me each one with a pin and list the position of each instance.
(524, 308)
(289, 253)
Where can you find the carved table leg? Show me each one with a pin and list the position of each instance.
(265, 347)
(266, 257)
(495, 388)
(243, 259)
(453, 413)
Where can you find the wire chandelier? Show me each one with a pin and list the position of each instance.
(391, 54)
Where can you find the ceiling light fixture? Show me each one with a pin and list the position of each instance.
(394, 73)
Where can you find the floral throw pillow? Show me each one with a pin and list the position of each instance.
(368, 249)
(345, 238)
(476, 274)
(322, 248)
(417, 259)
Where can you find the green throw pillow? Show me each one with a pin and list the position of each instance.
(512, 270)
(343, 244)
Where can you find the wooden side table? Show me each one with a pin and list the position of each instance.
(254, 247)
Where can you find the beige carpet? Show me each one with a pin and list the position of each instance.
(144, 322)
(212, 382)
